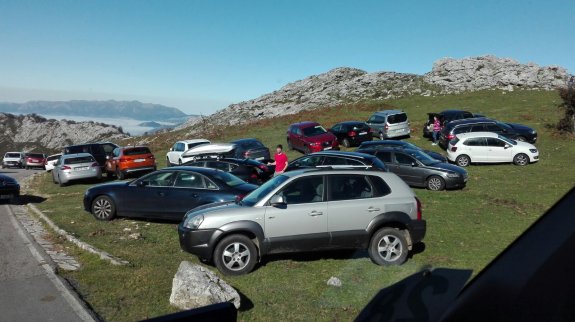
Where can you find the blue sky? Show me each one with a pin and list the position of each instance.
(200, 56)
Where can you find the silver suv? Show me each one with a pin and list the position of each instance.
(389, 124)
(308, 210)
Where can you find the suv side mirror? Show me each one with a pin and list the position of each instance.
(171, 149)
(277, 200)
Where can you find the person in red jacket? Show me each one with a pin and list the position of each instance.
(280, 160)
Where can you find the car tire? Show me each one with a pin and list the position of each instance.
(463, 160)
(435, 183)
(103, 208)
(381, 136)
(168, 163)
(235, 255)
(346, 143)
(120, 175)
(521, 138)
(306, 150)
(521, 159)
(388, 246)
(62, 184)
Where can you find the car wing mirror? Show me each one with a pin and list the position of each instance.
(278, 201)
(143, 183)
(507, 146)
(171, 149)
(413, 164)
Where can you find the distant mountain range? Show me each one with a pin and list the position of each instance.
(110, 109)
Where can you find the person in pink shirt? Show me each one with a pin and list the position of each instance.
(280, 160)
(436, 129)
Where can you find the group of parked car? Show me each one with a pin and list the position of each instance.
(233, 210)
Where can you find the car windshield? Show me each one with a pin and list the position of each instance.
(314, 130)
(137, 151)
(36, 155)
(12, 155)
(229, 179)
(255, 196)
(423, 157)
(507, 140)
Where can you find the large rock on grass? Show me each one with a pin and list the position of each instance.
(195, 286)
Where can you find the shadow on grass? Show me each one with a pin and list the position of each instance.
(245, 303)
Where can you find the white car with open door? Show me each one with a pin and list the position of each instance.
(174, 156)
(488, 147)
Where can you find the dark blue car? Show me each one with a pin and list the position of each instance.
(165, 194)
(379, 144)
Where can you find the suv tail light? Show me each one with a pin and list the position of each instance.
(450, 137)
(66, 168)
(95, 164)
(453, 148)
(351, 133)
(418, 208)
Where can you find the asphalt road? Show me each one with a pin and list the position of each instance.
(29, 288)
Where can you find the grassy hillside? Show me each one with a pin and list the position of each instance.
(466, 229)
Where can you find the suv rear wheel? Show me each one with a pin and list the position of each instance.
(388, 246)
(235, 255)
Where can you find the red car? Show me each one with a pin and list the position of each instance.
(34, 160)
(309, 137)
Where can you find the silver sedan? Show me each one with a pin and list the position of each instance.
(78, 166)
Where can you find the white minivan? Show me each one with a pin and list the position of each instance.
(174, 156)
(489, 147)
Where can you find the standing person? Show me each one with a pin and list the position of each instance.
(280, 160)
(436, 129)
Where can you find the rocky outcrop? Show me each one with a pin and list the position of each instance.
(350, 85)
(487, 72)
(32, 132)
(194, 286)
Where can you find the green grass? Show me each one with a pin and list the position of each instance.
(466, 229)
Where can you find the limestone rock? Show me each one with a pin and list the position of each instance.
(194, 286)
(334, 281)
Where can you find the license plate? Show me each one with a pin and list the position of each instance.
(362, 133)
(6, 196)
(139, 160)
(328, 148)
(81, 168)
(260, 158)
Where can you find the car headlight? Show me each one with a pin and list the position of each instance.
(452, 175)
(533, 150)
(314, 143)
(193, 222)
(533, 131)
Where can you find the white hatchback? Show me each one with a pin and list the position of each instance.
(488, 147)
(174, 156)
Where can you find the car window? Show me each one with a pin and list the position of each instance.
(397, 118)
(309, 161)
(492, 128)
(377, 119)
(303, 190)
(255, 196)
(475, 142)
(336, 128)
(349, 187)
(477, 128)
(136, 151)
(107, 147)
(36, 155)
(78, 160)
(229, 179)
(404, 159)
(314, 130)
(159, 179)
(190, 180)
(12, 155)
(224, 166)
(298, 131)
(461, 129)
(495, 142)
(384, 156)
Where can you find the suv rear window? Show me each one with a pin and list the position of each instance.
(77, 149)
(136, 151)
(397, 118)
(54, 157)
(78, 160)
(314, 130)
(36, 155)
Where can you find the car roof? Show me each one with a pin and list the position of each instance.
(244, 140)
(193, 141)
(15, 152)
(383, 142)
(396, 148)
(201, 170)
(344, 154)
(133, 147)
(477, 134)
(76, 155)
(388, 112)
(350, 122)
(470, 121)
(305, 124)
(328, 171)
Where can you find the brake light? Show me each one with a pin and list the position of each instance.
(263, 167)
(95, 164)
(66, 168)
(451, 137)
(453, 148)
(351, 133)
(418, 208)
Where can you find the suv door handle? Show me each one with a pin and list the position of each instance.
(371, 209)
(315, 213)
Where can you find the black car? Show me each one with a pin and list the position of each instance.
(512, 131)
(98, 150)
(9, 188)
(251, 171)
(166, 194)
(418, 169)
(446, 117)
(337, 159)
(351, 133)
(250, 149)
(375, 145)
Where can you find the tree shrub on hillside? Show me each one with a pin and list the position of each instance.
(567, 123)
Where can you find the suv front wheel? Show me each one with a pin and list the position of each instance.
(388, 246)
(235, 255)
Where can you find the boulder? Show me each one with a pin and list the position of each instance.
(194, 286)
